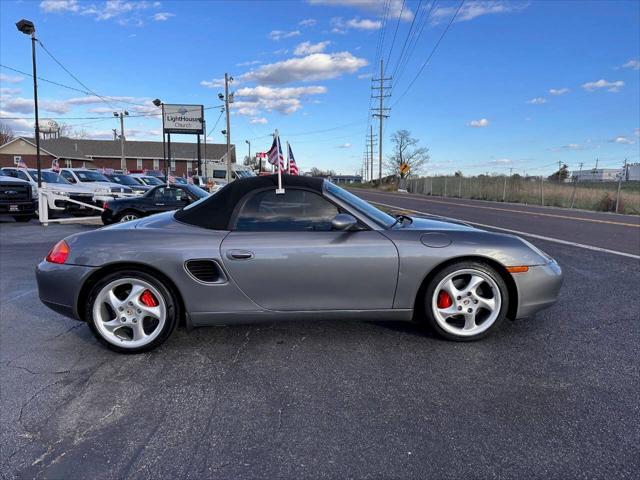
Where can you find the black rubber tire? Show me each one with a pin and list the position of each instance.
(127, 212)
(170, 301)
(23, 219)
(430, 291)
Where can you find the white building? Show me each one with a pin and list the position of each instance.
(597, 175)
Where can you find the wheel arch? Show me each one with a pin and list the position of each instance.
(512, 289)
(122, 266)
(133, 210)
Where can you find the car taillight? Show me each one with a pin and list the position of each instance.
(105, 205)
(58, 253)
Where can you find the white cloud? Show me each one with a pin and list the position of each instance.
(25, 105)
(10, 78)
(537, 101)
(126, 12)
(213, 83)
(9, 91)
(474, 9)
(602, 83)
(308, 48)
(393, 8)
(280, 34)
(249, 63)
(343, 26)
(633, 64)
(501, 161)
(569, 146)
(364, 76)
(558, 91)
(253, 100)
(59, 6)
(623, 140)
(307, 22)
(345, 145)
(258, 121)
(18, 104)
(318, 66)
(163, 16)
(481, 123)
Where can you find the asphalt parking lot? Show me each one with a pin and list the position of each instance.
(550, 397)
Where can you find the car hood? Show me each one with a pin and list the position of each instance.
(69, 188)
(109, 185)
(12, 181)
(429, 224)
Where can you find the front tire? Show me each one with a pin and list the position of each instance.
(466, 301)
(131, 311)
(128, 216)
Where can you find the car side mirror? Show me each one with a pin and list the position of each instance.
(343, 222)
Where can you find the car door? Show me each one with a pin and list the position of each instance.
(284, 255)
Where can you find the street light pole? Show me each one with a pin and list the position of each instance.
(249, 143)
(228, 129)
(123, 161)
(28, 28)
(158, 103)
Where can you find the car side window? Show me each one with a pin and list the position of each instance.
(22, 176)
(68, 176)
(295, 210)
(168, 195)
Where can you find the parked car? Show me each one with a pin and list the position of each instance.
(102, 187)
(58, 185)
(248, 253)
(128, 181)
(160, 198)
(16, 198)
(148, 180)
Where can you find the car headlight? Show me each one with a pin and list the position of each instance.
(61, 193)
(102, 190)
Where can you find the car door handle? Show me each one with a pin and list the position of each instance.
(239, 254)
(159, 204)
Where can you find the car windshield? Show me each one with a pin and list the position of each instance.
(360, 205)
(122, 179)
(196, 191)
(90, 176)
(245, 173)
(47, 177)
(181, 180)
(150, 180)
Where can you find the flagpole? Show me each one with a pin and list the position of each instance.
(288, 161)
(279, 190)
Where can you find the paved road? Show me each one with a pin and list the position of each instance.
(554, 397)
(603, 230)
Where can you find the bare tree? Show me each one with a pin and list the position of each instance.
(69, 131)
(316, 172)
(6, 133)
(405, 150)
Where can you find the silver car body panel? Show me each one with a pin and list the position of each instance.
(372, 273)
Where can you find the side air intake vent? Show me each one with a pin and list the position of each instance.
(206, 271)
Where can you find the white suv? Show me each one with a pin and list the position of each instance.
(56, 184)
(103, 189)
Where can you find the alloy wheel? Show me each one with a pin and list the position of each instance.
(128, 217)
(129, 312)
(466, 302)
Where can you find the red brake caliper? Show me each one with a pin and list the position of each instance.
(444, 300)
(148, 299)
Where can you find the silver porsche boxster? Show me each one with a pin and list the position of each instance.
(248, 253)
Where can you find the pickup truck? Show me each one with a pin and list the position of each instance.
(16, 199)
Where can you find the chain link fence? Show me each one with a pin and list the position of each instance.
(598, 196)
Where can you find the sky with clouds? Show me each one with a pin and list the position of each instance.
(486, 85)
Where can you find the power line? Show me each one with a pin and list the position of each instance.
(393, 42)
(216, 124)
(435, 47)
(404, 45)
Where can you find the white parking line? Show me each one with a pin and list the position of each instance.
(525, 234)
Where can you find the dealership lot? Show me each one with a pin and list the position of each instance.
(553, 397)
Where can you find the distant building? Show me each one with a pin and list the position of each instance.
(633, 172)
(345, 179)
(107, 154)
(597, 175)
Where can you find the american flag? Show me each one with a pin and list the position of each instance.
(21, 163)
(55, 166)
(293, 167)
(172, 179)
(274, 155)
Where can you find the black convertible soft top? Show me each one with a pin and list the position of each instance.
(215, 212)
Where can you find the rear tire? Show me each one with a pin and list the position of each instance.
(121, 320)
(127, 216)
(466, 301)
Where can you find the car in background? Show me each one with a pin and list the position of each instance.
(128, 181)
(16, 198)
(57, 185)
(161, 198)
(102, 187)
(148, 180)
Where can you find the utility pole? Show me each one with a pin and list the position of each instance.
(371, 138)
(380, 114)
(542, 190)
(575, 186)
(123, 161)
(226, 109)
(623, 174)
